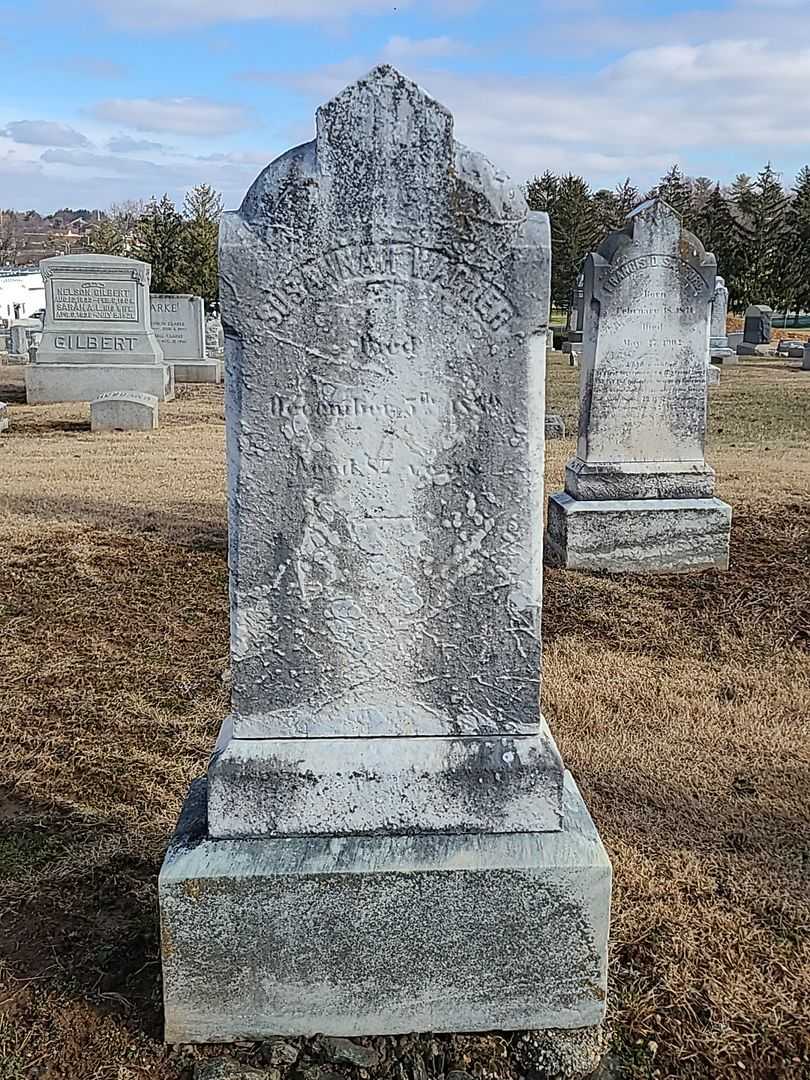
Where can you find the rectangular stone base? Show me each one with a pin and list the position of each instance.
(638, 536)
(361, 786)
(383, 935)
(197, 371)
(46, 383)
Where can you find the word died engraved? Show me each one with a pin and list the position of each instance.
(95, 301)
(372, 264)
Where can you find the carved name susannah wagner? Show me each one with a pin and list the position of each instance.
(388, 263)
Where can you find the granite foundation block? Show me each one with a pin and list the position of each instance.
(383, 934)
(46, 383)
(288, 787)
(667, 536)
(197, 371)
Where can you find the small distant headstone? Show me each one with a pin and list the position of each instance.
(98, 334)
(387, 841)
(757, 327)
(639, 495)
(719, 350)
(713, 375)
(123, 410)
(178, 320)
(555, 426)
(4, 417)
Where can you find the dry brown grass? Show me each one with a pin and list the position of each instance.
(681, 705)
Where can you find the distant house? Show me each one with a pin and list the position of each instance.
(22, 292)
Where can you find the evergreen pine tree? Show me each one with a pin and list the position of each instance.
(108, 237)
(158, 239)
(575, 231)
(541, 193)
(795, 266)
(676, 190)
(202, 209)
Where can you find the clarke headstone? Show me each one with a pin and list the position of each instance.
(178, 320)
(98, 335)
(639, 495)
(385, 801)
(719, 349)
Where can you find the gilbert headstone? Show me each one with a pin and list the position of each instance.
(639, 495)
(719, 349)
(391, 842)
(98, 334)
(178, 320)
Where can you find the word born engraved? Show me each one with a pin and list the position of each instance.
(620, 273)
(389, 262)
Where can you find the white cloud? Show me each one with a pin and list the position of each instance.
(172, 14)
(125, 144)
(43, 133)
(180, 115)
(406, 48)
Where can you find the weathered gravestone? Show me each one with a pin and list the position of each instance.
(178, 320)
(639, 494)
(719, 349)
(214, 337)
(756, 330)
(4, 418)
(23, 334)
(392, 843)
(98, 335)
(124, 410)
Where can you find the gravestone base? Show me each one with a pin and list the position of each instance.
(724, 356)
(746, 348)
(638, 536)
(382, 935)
(451, 784)
(45, 383)
(197, 371)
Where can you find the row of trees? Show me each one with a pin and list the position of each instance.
(759, 232)
(181, 244)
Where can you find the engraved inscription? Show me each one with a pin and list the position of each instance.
(643, 263)
(94, 343)
(95, 301)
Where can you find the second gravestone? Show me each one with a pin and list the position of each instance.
(178, 320)
(390, 841)
(97, 336)
(639, 494)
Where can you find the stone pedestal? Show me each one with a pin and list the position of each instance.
(46, 383)
(638, 536)
(387, 840)
(381, 935)
(197, 371)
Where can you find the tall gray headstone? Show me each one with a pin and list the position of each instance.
(719, 349)
(639, 494)
(757, 325)
(385, 295)
(98, 335)
(178, 320)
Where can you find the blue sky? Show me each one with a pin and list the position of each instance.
(102, 102)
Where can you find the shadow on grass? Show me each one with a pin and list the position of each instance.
(198, 526)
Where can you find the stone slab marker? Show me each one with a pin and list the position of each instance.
(178, 320)
(124, 411)
(387, 840)
(639, 494)
(98, 335)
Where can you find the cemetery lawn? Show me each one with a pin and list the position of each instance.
(680, 704)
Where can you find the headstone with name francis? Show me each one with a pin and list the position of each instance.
(124, 410)
(98, 335)
(719, 349)
(178, 320)
(385, 801)
(756, 330)
(639, 496)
